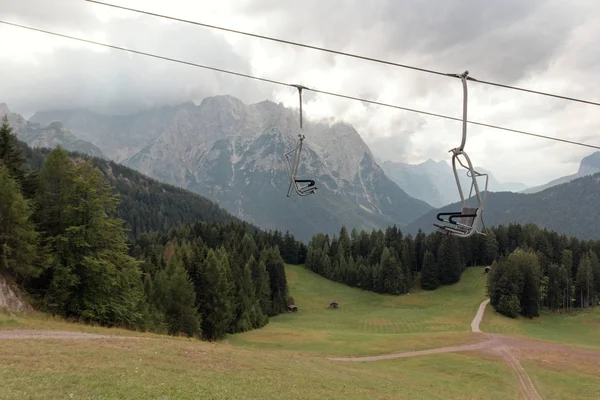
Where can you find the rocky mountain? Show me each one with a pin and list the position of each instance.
(433, 181)
(233, 154)
(118, 136)
(569, 208)
(39, 135)
(588, 166)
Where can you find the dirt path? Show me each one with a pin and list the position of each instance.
(50, 334)
(499, 344)
(479, 316)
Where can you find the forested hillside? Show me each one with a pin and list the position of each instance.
(570, 209)
(61, 240)
(145, 204)
(531, 267)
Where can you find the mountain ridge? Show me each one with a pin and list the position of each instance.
(569, 208)
(233, 154)
(588, 165)
(50, 135)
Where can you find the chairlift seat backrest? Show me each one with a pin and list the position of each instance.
(468, 221)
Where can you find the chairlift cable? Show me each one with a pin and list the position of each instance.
(311, 89)
(353, 55)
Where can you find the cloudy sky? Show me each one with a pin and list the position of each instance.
(548, 45)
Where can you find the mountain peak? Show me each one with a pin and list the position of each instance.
(589, 163)
(4, 110)
(221, 101)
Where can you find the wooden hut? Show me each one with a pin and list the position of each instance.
(292, 308)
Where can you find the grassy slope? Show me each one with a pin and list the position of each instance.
(285, 359)
(579, 328)
(179, 369)
(368, 323)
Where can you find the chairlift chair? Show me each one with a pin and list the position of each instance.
(465, 222)
(295, 183)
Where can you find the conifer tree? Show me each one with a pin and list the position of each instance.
(567, 264)
(429, 273)
(215, 304)
(260, 276)
(595, 266)
(18, 238)
(584, 281)
(391, 272)
(449, 263)
(11, 155)
(180, 305)
(256, 315)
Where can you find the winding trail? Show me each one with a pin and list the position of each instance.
(494, 343)
(499, 344)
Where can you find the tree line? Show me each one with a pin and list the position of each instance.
(531, 267)
(62, 241)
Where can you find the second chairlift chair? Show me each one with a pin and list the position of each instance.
(464, 223)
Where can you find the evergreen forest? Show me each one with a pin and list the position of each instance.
(96, 242)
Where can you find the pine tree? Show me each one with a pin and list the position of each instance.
(420, 242)
(11, 155)
(55, 184)
(18, 238)
(391, 273)
(490, 248)
(277, 280)
(180, 308)
(91, 276)
(449, 263)
(216, 303)
(595, 266)
(260, 276)
(567, 264)
(584, 281)
(429, 273)
(528, 263)
(504, 287)
(256, 315)
(243, 298)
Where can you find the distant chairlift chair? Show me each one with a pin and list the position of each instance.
(296, 183)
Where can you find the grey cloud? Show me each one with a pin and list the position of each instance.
(120, 82)
(51, 13)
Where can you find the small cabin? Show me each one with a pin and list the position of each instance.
(334, 304)
(292, 308)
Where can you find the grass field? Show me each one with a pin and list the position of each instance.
(579, 328)
(180, 369)
(564, 382)
(287, 358)
(368, 323)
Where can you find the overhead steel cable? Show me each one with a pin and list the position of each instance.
(377, 60)
(293, 85)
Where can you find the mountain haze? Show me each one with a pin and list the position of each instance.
(233, 154)
(588, 166)
(434, 182)
(47, 135)
(118, 136)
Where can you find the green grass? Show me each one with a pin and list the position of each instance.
(367, 322)
(573, 382)
(37, 320)
(181, 369)
(579, 328)
(287, 358)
